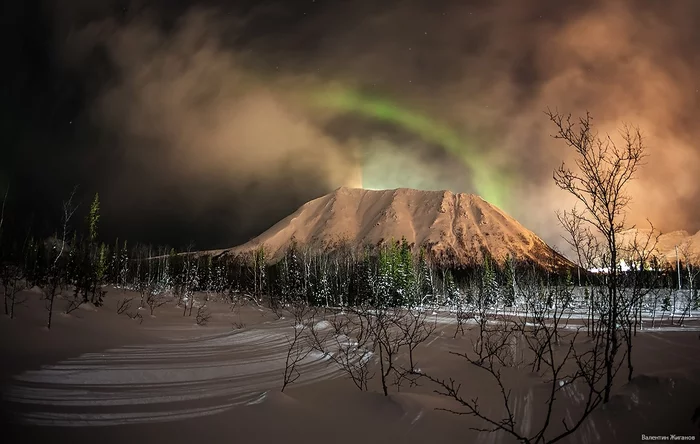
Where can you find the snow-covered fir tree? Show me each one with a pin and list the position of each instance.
(167, 280)
(295, 275)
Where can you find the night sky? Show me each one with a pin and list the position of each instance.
(209, 121)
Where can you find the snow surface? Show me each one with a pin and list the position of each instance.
(160, 382)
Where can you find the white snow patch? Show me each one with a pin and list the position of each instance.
(366, 357)
(258, 400)
(322, 325)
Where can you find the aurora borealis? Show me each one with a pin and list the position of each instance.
(489, 183)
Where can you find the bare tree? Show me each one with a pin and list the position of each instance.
(297, 348)
(190, 281)
(259, 268)
(636, 283)
(603, 169)
(389, 340)
(416, 329)
(297, 351)
(52, 280)
(691, 259)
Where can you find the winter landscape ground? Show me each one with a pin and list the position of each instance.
(103, 377)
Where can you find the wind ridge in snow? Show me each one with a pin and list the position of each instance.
(161, 382)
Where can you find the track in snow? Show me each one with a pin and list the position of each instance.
(161, 382)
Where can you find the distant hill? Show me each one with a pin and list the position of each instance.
(688, 245)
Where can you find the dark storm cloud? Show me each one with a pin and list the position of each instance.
(193, 118)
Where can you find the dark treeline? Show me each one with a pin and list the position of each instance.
(390, 275)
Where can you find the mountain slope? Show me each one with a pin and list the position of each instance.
(453, 227)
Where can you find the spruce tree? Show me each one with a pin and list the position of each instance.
(94, 218)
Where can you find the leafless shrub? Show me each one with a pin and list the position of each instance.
(339, 322)
(154, 300)
(303, 318)
(389, 339)
(462, 317)
(74, 303)
(135, 316)
(179, 292)
(297, 351)
(277, 310)
(415, 329)
(351, 349)
(144, 286)
(302, 312)
(235, 300)
(203, 315)
(124, 305)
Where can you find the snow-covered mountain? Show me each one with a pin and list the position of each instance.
(457, 228)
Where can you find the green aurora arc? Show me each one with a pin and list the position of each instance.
(490, 184)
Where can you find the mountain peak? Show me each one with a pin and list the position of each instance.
(453, 227)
